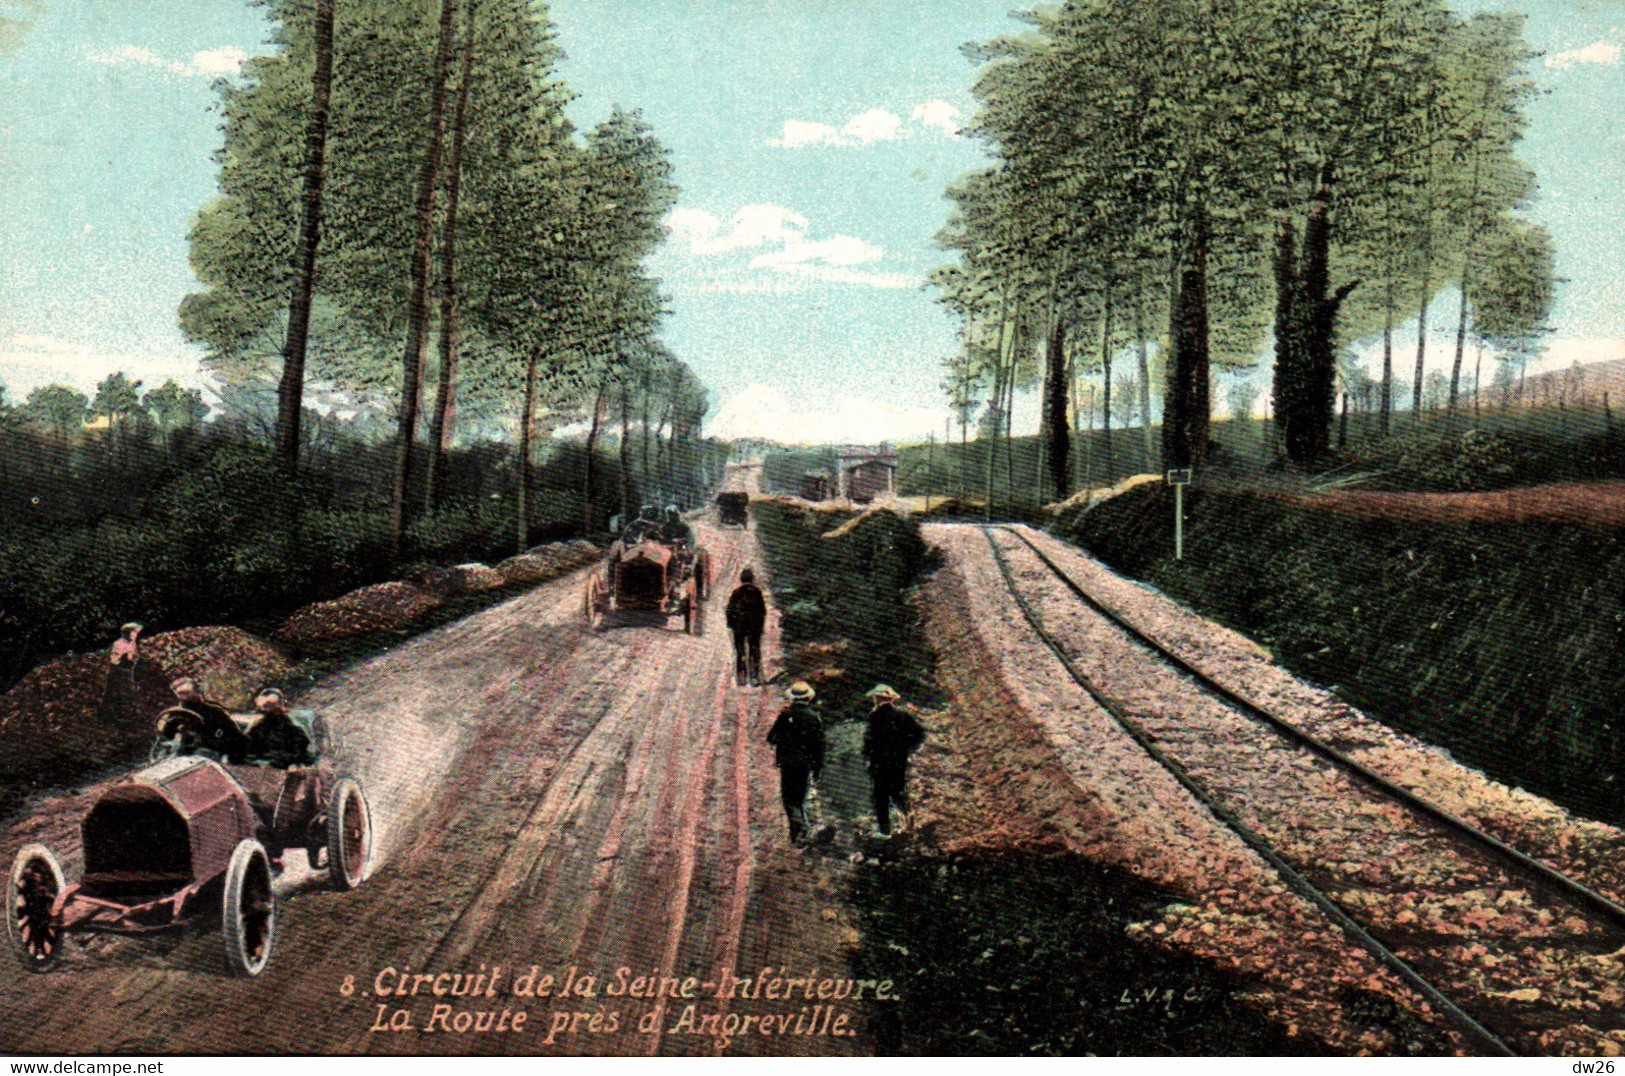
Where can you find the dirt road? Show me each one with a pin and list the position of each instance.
(597, 808)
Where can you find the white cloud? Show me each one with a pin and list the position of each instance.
(692, 226)
(789, 249)
(1598, 52)
(871, 126)
(875, 125)
(222, 61)
(798, 133)
(29, 361)
(762, 412)
(836, 250)
(939, 116)
(836, 274)
(214, 63)
(753, 226)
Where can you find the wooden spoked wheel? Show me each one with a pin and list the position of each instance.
(349, 834)
(248, 914)
(36, 881)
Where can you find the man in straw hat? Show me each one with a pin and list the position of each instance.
(892, 736)
(798, 742)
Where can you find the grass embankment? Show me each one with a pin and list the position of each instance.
(1504, 643)
(1435, 452)
(1011, 953)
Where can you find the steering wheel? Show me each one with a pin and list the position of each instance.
(178, 734)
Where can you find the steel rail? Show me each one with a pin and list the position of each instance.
(1290, 874)
(1570, 887)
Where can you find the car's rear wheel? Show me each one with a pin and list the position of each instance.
(248, 914)
(36, 881)
(349, 834)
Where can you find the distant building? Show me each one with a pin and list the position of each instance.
(862, 474)
(814, 486)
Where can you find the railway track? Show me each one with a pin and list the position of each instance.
(1226, 750)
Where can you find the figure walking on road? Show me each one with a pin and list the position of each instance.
(747, 616)
(798, 741)
(892, 736)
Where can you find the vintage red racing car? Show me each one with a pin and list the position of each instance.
(191, 841)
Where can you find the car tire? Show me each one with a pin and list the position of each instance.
(36, 881)
(248, 912)
(349, 834)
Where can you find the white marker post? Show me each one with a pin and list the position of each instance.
(1179, 479)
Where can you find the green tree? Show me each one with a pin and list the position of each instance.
(175, 408)
(59, 408)
(116, 398)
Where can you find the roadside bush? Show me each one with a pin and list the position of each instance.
(851, 592)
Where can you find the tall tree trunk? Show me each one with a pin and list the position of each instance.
(1055, 384)
(291, 391)
(1145, 378)
(997, 399)
(1106, 374)
(964, 452)
(589, 491)
(643, 442)
(626, 449)
(1016, 343)
(527, 432)
(991, 429)
(1426, 293)
(1287, 388)
(1461, 333)
(1089, 440)
(417, 336)
(1320, 338)
(1306, 330)
(1388, 355)
(1478, 379)
(443, 424)
(1421, 340)
(1467, 257)
(1184, 425)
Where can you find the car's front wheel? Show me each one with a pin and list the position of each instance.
(248, 914)
(36, 881)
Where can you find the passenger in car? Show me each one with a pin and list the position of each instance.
(276, 739)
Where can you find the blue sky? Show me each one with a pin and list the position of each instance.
(812, 142)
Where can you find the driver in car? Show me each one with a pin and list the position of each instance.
(196, 726)
(676, 528)
(276, 739)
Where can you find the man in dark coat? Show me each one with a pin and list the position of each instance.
(275, 740)
(747, 616)
(798, 741)
(198, 726)
(892, 736)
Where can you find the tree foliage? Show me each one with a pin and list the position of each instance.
(538, 294)
(1231, 170)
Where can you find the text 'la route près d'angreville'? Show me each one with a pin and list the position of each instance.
(803, 1002)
